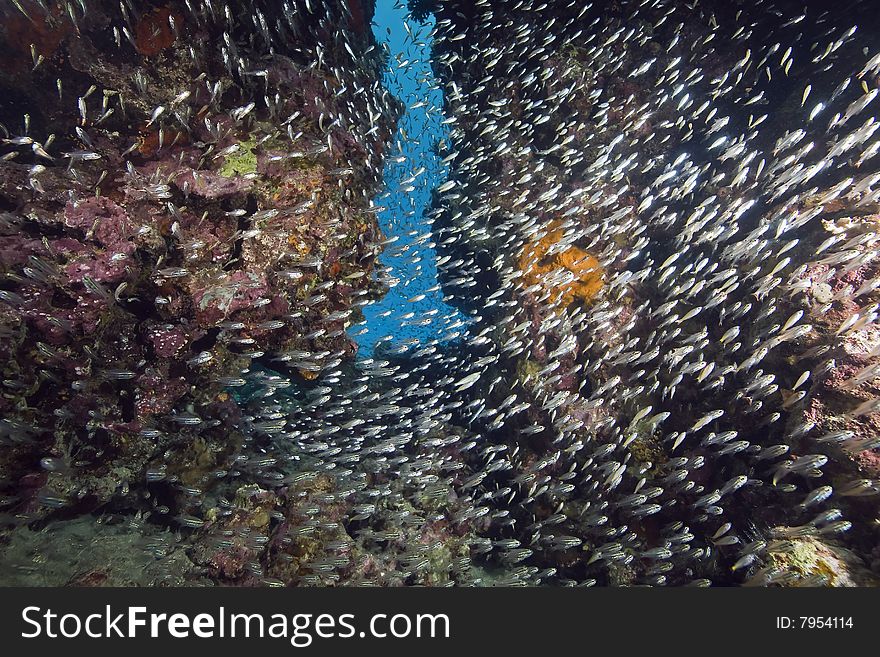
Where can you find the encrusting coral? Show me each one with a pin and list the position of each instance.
(563, 272)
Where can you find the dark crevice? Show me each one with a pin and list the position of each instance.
(206, 342)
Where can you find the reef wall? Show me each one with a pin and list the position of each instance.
(650, 355)
(665, 216)
(185, 193)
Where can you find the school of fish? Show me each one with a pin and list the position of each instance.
(657, 358)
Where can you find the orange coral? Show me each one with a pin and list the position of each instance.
(148, 142)
(153, 32)
(539, 267)
(308, 375)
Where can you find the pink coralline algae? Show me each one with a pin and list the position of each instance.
(212, 186)
(98, 216)
(167, 340)
(100, 220)
(217, 297)
(157, 393)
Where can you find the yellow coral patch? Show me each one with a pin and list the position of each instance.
(544, 268)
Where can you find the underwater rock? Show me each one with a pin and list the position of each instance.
(651, 357)
(813, 562)
(128, 246)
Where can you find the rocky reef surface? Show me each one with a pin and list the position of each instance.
(683, 299)
(660, 223)
(185, 202)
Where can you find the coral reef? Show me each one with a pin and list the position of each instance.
(162, 238)
(651, 355)
(698, 406)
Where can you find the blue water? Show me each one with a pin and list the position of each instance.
(402, 316)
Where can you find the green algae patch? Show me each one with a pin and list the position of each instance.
(241, 162)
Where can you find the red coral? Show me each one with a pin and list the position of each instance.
(44, 31)
(148, 142)
(91, 578)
